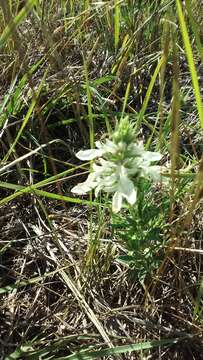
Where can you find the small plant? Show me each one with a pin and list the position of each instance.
(142, 232)
(122, 166)
(120, 163)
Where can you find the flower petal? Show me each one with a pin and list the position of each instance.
(109, 147)
(117, 202)
(89, 154)
(153, 172)
(81, 189)
(111, 188)
(151, 156)
(98, 144)
(98, 189)
(136, 149)
(86, 186)
(127, 189)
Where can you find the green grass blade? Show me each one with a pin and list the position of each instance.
(127, 92)
(65, 198)
(17, 354)
(34, 280)
(116, 24)
(89, 355)
(6, 99)
(20, 190)
(26, 119)
(89, 105)
(148, 94)
(195, 28)
(190, 59)
(13, 99)
(16, 21)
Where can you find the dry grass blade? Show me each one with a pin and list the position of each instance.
(80, 298)
(27, 155)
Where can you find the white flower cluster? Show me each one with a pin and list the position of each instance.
(118, 165)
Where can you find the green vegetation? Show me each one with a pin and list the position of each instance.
(101, 258)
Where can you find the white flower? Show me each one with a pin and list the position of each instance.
(110, 178)
(118, 166)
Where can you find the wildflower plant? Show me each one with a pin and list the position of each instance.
(143, 232)
(119, 164)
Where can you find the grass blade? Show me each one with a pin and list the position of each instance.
(33, 189)
(10, 28)
(89, 355)
(195, 28)
(148, 94)
(26, 119)
(34, 280)
(190, 59)
(116, 24)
